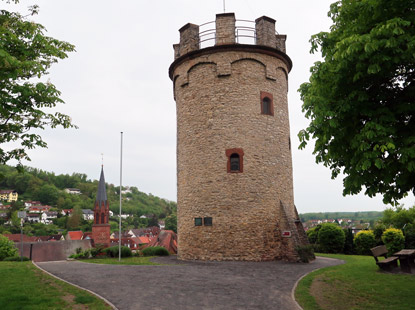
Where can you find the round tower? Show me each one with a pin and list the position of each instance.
(234, 169)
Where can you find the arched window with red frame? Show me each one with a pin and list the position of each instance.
(235, 160)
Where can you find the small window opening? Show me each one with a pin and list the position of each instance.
(235, 162)
(266, 106)
(207, 221)
(198, 221)
(102, 218)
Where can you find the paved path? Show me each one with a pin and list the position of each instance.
(190, 285)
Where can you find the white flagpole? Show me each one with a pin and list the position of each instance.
(224, 6)
(119, 236)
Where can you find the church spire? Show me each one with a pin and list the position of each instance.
(102, 192)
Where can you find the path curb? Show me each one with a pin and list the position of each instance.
(82, 288)
(298, 281)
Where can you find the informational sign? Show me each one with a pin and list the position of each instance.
(21, 214)
(286, 233)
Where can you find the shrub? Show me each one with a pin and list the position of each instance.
(312, 234)
(409, 233)
(378, 231)
(364, 241)
(113, 251)
(331, 238)
(155, 251)
(98, 250)
(393, 239)
(306, 253)
(348, 242)
(7, 248)
(15, 259)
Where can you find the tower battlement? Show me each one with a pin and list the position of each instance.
(226, 30)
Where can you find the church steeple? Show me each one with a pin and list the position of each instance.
(101, 228)
(102, 192)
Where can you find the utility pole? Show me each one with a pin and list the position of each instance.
(119, 236)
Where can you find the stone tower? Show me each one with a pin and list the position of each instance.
(234, 170)
(101, 228)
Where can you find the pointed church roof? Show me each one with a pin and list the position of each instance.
(102, 192)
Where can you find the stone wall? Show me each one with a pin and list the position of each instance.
(52, 250)
(218, 98)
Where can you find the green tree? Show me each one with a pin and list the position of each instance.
(7, 248)
(48, 194)
(26, 55)
(360, 98)
(171, 222)
(74, 220)
(331, 238)
(398, 217)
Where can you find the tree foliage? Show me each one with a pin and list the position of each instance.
(360, 98)
(364, 241)
(7, 248)
(330, 238)
(394, 240)
(26, 55)
(398, 217)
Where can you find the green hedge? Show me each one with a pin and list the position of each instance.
(155, 251)
(15, 259)
(113, 251)
(331, 238)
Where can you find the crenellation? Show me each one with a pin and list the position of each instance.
(265, 31)
(225, 29)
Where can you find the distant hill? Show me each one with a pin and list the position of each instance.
(355, 216)
(48, 188)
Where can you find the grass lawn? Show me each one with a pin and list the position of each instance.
(23, 286)
(356, 285)
(124, 261)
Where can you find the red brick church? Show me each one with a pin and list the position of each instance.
(101, 228)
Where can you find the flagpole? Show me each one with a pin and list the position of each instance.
(224, 6)
(119, 235)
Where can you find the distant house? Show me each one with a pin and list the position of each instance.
(5, 207)
(57, 237)
(31, 203)
(143, 217)
(162, 224)
(8, 195)
(33, 217)
(39, 209)
(73, 191)
(3, 215)
(66, 211)
(166, 239)
(111, 213)
(17, 238)
(75, 235)
(145, 232)
(47, 217)
(87, 214)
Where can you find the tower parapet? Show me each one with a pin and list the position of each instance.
(227, 32)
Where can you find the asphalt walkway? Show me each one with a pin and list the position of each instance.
(190, 285)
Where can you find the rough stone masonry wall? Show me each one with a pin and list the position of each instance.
(218, 108)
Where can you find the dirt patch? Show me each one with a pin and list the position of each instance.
(333, 294)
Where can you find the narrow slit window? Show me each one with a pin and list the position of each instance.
(267, 103)
(235, 162)
(266, 106)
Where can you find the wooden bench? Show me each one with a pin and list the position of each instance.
(386, 264)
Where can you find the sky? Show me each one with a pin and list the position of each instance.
(117, 81)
